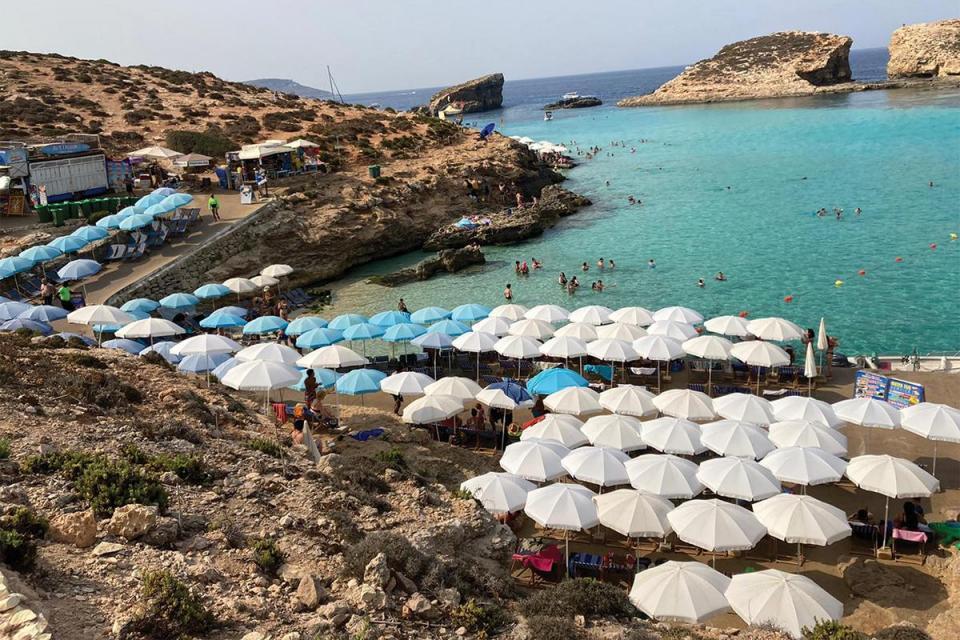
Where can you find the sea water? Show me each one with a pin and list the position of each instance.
(735, 188)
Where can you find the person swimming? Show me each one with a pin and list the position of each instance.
(516, 267)
(508, 293)
(611, 264)
(536, 263)
(600, 264)
(858, 211)
(599, 286)
(585, 267)
(719, 277)
(562, 279)
(652, 263)
(701, 283)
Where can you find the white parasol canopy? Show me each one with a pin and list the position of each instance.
(406, 383)
(518, 347)
(758, 353)
(432, 409)
(334, 356)
(533, 460)
(579, 330)
(685, 403)
(708, 347)
(205, 343)
(614, 431)
(678, 314)
(777, 329)
(634, 514)
(566, 432)
(738, 478)
(715, 525)
(659, 348)
(564, 347)
(936, 422)
(548, 313)
(868, 412)
(612, 350)
(493, 324)
(539, 329)
(737, 439)
(464, 389)
(620, 331)
(637, 316)
(745, 407)
(670, 329)
(673, 435)
(99, 314)
(277, 270)
(786, 600)
(264, 281)
(563, 506)
(150, 328)
(155, 153)
(727, 326)
(509, 312)
(823, 342)
(680, 591)
(499, 492)
(664, 475)
(269, 352)
(800, 408)
(628, 400)
(594, 314)
(241, 285)
(574, 401)
(597, 465)
(802, 519)
(260, 375)
(804, 465)
(807, 433)
(475, 342)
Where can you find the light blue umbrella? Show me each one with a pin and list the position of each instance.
(389, 318)
(177, 200)
(360, 381)
(362, 331)
(78, 269)
(164, 191)
(14, 265)
(66, 336)
(179, 301)
(449, 327)
(224, 367)
(404, 332)
(553, 380)
(340, 323)
(428, 315)
(325, 379)
(301, 325)
(30, 325)
(138, 315)
(470, 312)
(130, 346)
(11, 310)
(136, 221)
(44, 313)
(90, 233)
(106, 328)
(41, 253)
(126, 212)
(110, 222)
(235, 311)
(163, 348)
(159, 209)
(141, 304)
(202, 362)
(265, 324)
(316, 338)
(148, 200)
(68, 244)
(217, 320)
(212, 290)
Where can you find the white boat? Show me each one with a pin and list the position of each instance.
(548, 116)
(571, 96)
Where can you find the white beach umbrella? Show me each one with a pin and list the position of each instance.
(676, 591)
(406, 383)
(497, 399)
(566, 431)
(269, 352)
(708, 347)
(679, 331)
(823, 342)
(564, 347)
(597, 465)
(531, 328)
(715, 525)
(758, 353)
(534, 460)
(493, 324)
(810, 367)
(891, 477)
(518, 347)
(788, 601)
(574, 401)
(802, 520)
(548, 313)
(628, 400)
(672, 435)
(664, 475)
(612, 350)
(800, 408)
(727, 326)
(620, 331)
(578, 330)
(264, 281)
(276, 270)
(509, 312)
(475, 342)
(261, 375)
(807, 433)
(464, 389)
(634, 514)
(678, 314)
(658, 348)
(737, 439)
(150, 328)
(745, 407)
(432, 409)
(334, 356)
(777, 329)
(99, 314)
(240, 285)
(805, 466)
(637, 316)
(685, 403)
(205, 343)
(563, 506)
(614, 431)
(738, 478)
(936, 422)
(868, 412)
(499, 492)
(594, 314)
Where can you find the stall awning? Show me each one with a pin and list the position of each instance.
(255, 151)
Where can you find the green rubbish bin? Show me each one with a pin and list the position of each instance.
(59, 214)
(373, 171)
(73, 210)
(43, 213)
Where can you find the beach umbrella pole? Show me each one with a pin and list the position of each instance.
(934, 458)
(503, 431)
(886, 514)
(566, 552)
(709, 377)
(478, 367)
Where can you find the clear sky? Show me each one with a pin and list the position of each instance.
(394, 44)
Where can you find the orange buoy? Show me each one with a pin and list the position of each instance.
(862, 272)
(898, 259)
(788, 298)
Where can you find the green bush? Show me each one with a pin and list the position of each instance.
(401, 555)
(26, 522)
(170, 610)
(392, 458)
(264, 445)
(17, 550)
(4, 448)
(86, 360)
(832, 630)
(212, 142)
(482, 620)
(267, 556)
(581, 596)
(191, 468)
(901, 632)
(553, 628)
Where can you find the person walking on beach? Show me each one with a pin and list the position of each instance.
(310, 387)
(214, 205)
(66, 297)
(46, 292)
(508, 293)
(402, 306)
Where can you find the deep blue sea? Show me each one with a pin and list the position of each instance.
(735, 188)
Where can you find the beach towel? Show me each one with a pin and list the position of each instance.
(363, 436)
(311, 445)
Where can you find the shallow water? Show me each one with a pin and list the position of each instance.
(782, 160)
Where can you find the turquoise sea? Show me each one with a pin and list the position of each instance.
(735, 188)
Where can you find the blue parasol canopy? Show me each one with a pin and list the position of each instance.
(363, 331)
(449, 327)
(317, 338)
(341, 322)
(90, 233)
(14, 265)
(136, 221)
(470, 313)
(44, 313)
(325, 379)
(217, 320)
(129, 346)
(179, 301)
(30, 325)
(404, 332)
(389, 318)
(553, 380)
(265, 324)
(68, 244)
(163, 348)
(202, 362)
(360, 381)
(433, 340)
(11, 310)
(429, 314)
(140, 304)
(301, 325)
(148, 201)
(487, 130)
(224, 367)
(212, 290)
(514, 391)
(41, 253)
(78, 269)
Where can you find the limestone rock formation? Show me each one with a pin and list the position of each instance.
(580, 102)
(132, 520)
(790, 63)
(931, 49)
(447, 260)
(480, 94)
(78, 528)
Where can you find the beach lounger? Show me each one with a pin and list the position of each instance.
(191, 215)
(901, 538)
(541, 564)
(589, 563)
(864, 540)
(115, 252)
(702, 388)
(137, 251)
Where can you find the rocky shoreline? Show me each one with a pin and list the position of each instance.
(446, 260)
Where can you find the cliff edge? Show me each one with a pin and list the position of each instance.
(927, 50)
(479, 94)
(791, 63)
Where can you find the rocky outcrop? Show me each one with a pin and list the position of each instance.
(580, 102)
(792, 63)
(447, 261)
(78, 528)
(480, 94)
(925, 50)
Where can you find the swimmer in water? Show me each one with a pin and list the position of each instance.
(611, 264)
(562, 279)
(600, 264)
(858, 211)
(652, 263)
(701, 283)
(585, 267)
(599, 286)
(508, 293)
(719, 277)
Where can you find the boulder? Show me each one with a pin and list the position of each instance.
(372, 598)
(377, 573)
(419, 606)
(447, 260)
(479, 94)
(163, 534)
(79, 529)
(310, 592)
(926, 50)
(580, 102)
(789, 63)
(132, 520)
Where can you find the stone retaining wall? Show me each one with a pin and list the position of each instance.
(189, 271)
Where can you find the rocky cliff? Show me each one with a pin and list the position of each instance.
(925, 50)
(480, 94)
(792, 63)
